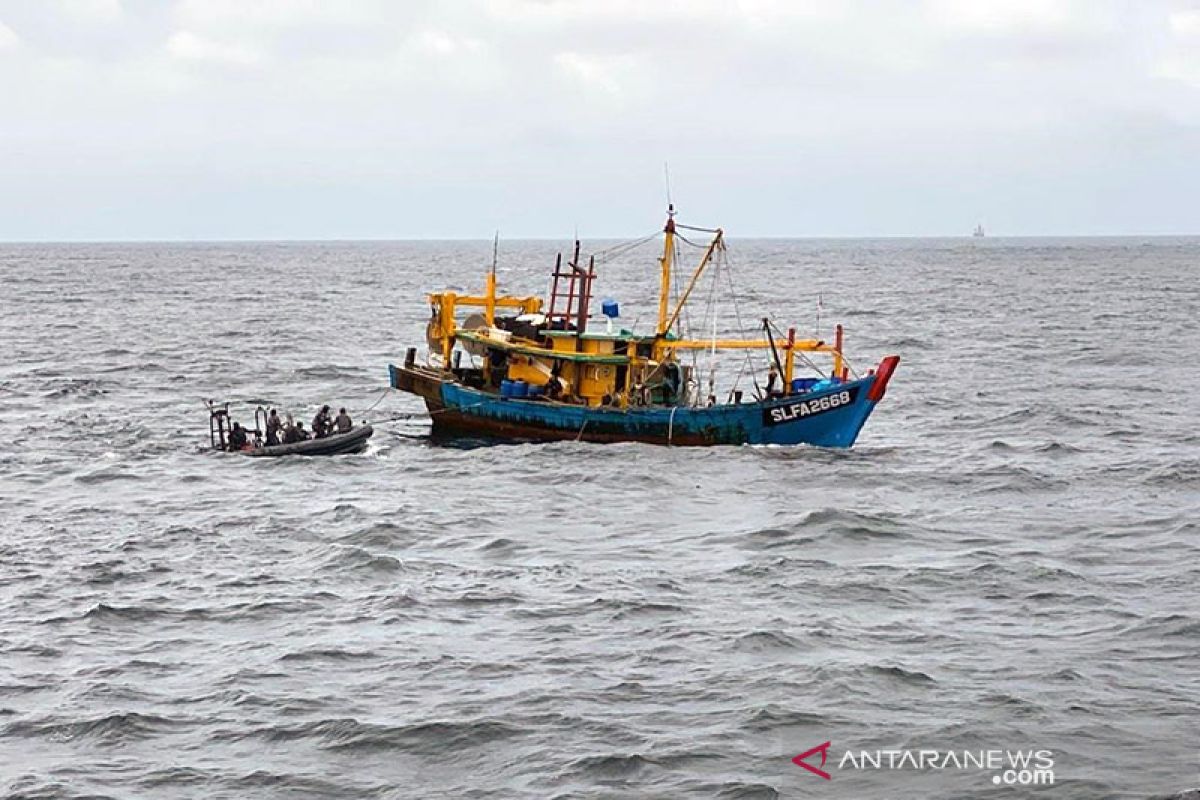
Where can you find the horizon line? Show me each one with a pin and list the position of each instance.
(776, 237)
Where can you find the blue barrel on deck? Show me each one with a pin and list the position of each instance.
(609, 308)
(506, 388)
(520, 389)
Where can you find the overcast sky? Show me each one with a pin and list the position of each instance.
(312, 119)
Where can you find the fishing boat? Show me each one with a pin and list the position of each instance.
(978, 233)
(528, 369)
(220, 424)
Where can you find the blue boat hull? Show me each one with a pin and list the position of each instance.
(831, 417)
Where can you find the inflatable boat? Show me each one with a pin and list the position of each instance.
(221, 427)
(355, 441)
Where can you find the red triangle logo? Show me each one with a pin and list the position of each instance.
(823, 749)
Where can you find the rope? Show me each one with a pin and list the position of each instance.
(609, 253)
(808, 361)
(747, 361)
(422, 415)
(685, 240)
(425, 414)
(397, 418)
(377, 402)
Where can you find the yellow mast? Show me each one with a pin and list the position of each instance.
(708, 254)
(489, 298)
(665, 286)
(489, 306)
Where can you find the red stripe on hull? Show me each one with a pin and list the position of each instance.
(882, 375)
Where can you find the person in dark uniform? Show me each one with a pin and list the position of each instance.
(294, 434)
(274, 426)
(555, 387)
(237, 438)
(671, 383)
(321, 423)
(342, 423)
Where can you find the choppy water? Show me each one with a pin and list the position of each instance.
(1009, 559)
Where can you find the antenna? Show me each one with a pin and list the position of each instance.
(667, 178)
(495, 251)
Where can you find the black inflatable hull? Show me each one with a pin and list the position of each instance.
(353, 442)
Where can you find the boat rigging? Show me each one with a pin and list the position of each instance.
(542, 373)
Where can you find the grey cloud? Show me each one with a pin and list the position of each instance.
(288, 118)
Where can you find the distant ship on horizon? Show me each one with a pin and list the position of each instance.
(978, 232)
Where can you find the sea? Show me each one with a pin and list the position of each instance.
(994, 594)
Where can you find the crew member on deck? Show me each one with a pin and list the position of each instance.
(274, 426)
(641, 394)
(343, 423)
(554, 386)
(321, 423)
(671, 383)
(772, 378)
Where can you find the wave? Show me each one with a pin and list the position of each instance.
(1170, 626)
(1058, 448)
(477, 597)
(858, 524)
(773, 717)
(299, 785)
(747, 791)
(350, 735)
(329, 654)
(776, 537)
(75, 387)
(175, 776)
(113, 728)
(103, 612)
(1012, 704)
(906, 676)
(358, 559)
(611, 766)
(380, 535)
(763, 641)
(1184, 473)
(635, 609)
(839, 524)
(107, 475)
